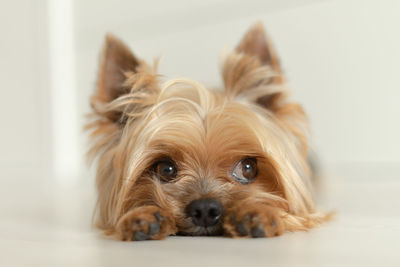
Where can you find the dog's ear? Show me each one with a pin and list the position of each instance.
(116, 61)
(254, 63)
(121, 74)
(256, 43)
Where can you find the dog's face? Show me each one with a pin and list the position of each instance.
(194, 152)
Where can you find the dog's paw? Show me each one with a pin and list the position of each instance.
(259, 221)
(145, 223)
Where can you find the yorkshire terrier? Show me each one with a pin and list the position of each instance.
(178, 158)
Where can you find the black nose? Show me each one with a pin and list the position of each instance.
(205, 212)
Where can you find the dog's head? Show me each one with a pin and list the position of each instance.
(197, 152)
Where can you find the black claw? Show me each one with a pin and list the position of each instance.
(158, 216)
(140, 236)
(257, 231)
(241, 229)
(154, 228)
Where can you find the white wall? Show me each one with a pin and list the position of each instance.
(340, 57)
(25, 128)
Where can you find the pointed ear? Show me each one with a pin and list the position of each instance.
(256, 43)
(116, 60)
(253, 68)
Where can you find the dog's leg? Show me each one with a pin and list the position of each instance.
(145, 223)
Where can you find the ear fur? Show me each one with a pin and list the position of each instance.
(254, 64)
(256, 43)
(117, 65)
(117, 59)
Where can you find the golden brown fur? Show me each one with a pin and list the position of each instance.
(138, 120)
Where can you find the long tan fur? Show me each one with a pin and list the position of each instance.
(206, 133)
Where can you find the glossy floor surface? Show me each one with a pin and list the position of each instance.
(44, 224)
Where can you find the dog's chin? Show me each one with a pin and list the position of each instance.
(215, 230)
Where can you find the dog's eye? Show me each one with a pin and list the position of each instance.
(245, 170)
(165, 170)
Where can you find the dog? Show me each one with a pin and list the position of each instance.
(175, 158)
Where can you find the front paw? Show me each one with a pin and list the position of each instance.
(258, 221)
(145, 223)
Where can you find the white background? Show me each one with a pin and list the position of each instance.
(341, 59)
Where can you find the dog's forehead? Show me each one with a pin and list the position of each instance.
(224, 131)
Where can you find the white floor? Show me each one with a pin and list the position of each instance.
(43, 224)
